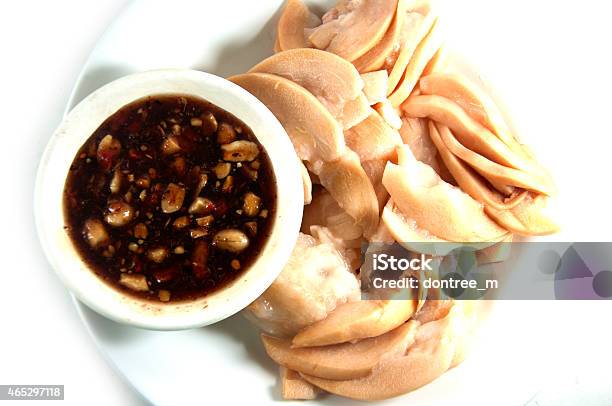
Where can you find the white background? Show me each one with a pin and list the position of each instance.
(42, 341)
(549, 60)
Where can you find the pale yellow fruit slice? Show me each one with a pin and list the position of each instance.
(294, 387)
(375, 169)
(341, 361)
(527, 218)
(313, 282)
(473, 100)
(389, 114)
(315, 134)
(419, 60)
(428, 358)
(374, 59)
(344, 179)
(354, 112)
(332, 80)
(440, 208)
(293, 21)
(373, 138)
(468, 180)
(383, 235)
(417, 24)
(415, 134)
(409, 235)
(307, 184)
(493, 171)
(324, 211)
(436, 64)
(352, 28)
(375, 86)
(434, 309)
(276, 47)
(355, 321)
(468, 131)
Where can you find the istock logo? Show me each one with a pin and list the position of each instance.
(386, 262)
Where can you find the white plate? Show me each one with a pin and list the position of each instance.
(225, 363)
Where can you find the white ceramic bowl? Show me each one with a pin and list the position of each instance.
(76, 128)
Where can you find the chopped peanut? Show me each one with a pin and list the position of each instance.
(158, 254)
(238, 151)
(228, 184)
(172, 199)
(201, 205)
(226, 134)
(136, 282)
(95, 233)
(163, 295)
(181, 222)
(251, 204)
(222, 169)
(140, 231)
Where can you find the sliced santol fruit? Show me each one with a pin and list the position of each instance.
(415, 134)
(409, 235)
(434, 309)
(438, 207)
(356, 320)
(417, 24)
(493, 171)
(341, 361)
(315, 134)
(322, 209)
(352, 28)
(469, 132)
(471, 183)
(419, 60)
(429, 357)
(373, 138)
(294, 387)
(382, 234)
(389, 114)
(375, 86)
(473, 100)
(437, 63)
(307, 183)
(350, 248)
(375, 169)
(344, 226)
(374, 59)
(527, 218)
(293, 21)
(344, 178)
(464, 328)
(315, 280)
(354, 112)
(332, 80)
(277, 48)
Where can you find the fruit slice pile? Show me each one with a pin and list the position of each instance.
(394, 146)
(397, 361)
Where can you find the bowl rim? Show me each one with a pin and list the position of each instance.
(109, 301)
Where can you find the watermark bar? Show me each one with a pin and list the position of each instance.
(519, 270)
(31, 392)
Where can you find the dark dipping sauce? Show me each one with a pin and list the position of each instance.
(170, 199)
